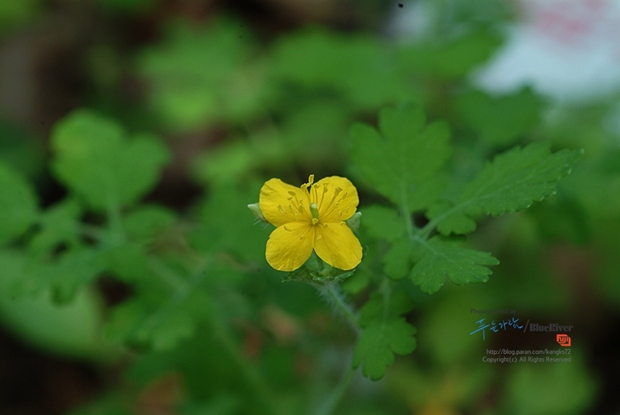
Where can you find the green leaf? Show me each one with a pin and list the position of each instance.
(382, 222)
(145, 222)
(512, 182)
(228, 225)
(18, 205)
(442, 258)
(197, 75)
(380, 340)
(320, 59)
(397, 260)
(450, 58)
(128, 262)
(384, 333)
(94, 159)
(138, 324)
(64, 278)
(500, 120)
(385, 303)
(161, 315)
(71, 330)
(452, 221)
(59, 224)
(403, 160)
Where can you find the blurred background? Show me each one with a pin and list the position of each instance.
(244, 90)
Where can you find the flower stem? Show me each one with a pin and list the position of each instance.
(331, 403)
(331, 292)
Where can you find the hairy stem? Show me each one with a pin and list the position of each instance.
(331, 292)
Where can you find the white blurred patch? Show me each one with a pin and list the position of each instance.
(567, 49)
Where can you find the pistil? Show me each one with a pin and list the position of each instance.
(314, 210)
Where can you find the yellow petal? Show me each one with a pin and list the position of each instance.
(336, 244)
(280, 203)
(290, 245)
(336, 198)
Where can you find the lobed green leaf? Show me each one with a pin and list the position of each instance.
(511, 182)
(384, 333)
(380, 340)
(64, 278)
(93, 158)
(402, 161)
(442, 258)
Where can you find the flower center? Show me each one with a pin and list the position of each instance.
(314, 210)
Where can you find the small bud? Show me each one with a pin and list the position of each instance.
(256, 211)
(354, 221)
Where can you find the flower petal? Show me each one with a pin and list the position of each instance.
(336, 244)
(280, 203)
(336, 198)
(290, 245)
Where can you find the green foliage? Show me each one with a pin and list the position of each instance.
(500, 120)
(97, 161)
(403, 160)
(318, 59)
(451, 58)
(182, 299)
(71, 330)
(65, 277)
(197, 76)
(18, 204)
(383, 222)
(384, 333)
(404, 165)
(510, 183)
(395, 163)
(572, 389)
(446, 259)
(13, 13)
(159, 319)
(58, 225)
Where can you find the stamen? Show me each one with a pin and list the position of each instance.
(333, 203)
(305, 186)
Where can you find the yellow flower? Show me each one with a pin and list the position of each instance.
(310, 218)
